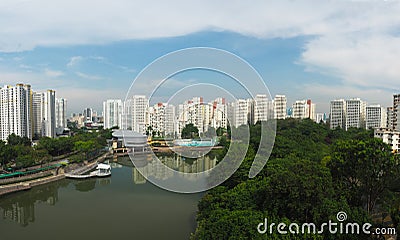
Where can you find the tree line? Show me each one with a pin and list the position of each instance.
(313, 173)
(19, 152)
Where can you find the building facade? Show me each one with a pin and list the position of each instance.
(355, 113)
(280, 105)
(262, 108)
(61, 114)
(16, 111)
(390, 137)
(135, 113)
(337, 114)
(375, 117)
(112, 112)
(396, 112)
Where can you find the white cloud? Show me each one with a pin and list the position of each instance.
(74, 61)
(88, 76)
(357, 41)
(24, 66)
(50, 22)
(367, 61)
(37, 80)
(53, 73)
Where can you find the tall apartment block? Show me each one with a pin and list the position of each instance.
(161, 118)
(196, 112)
(389, 118)
(338, 114)
(44, 114)
(49, 116)
(241, 112)
(348, 113)
(280, 105)
(355, 113)
(61, 114)
(16, 111)
(112, 112)
(303, 109)
(135, 111)
(219, 113)
(375, 117)
(396, 112)
(262, 108)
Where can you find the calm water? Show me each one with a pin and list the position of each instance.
(123, 206)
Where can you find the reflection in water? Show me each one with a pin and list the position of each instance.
(149, 167)
(20, 208)
(60, 210)
(85, 185)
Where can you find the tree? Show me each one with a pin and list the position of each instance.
(190, 131)
(86, 146)
(220, 131)
(14, 140)
(363, 170)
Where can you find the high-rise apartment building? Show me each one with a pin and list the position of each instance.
(61, 114)
(16, 111)
(241, 112)
(347, 113)
(396, 112)
(390, 137)
(112, 113)
(262, 108)
(303, 109)
(170, 120)
(300, 109)
(219, 113)
(375, 117)
(389, 118)
(162, 119)
(355, 113)
(196, 112)
(44, 114)
(37, 112)
(280, 105)
(135, 112)
(88, 114)
(49, 114)
(311, 110)
(337, 115)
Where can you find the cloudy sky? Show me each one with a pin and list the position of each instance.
(89, 51)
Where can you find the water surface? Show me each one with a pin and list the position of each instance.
(123, 206)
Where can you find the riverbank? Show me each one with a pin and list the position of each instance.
(56, 175)
(173, 149)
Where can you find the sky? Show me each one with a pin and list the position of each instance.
(90, 51)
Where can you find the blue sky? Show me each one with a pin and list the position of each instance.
(304, 49)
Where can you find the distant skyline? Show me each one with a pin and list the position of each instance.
(303, 49)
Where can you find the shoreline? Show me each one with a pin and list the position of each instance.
(26, 185)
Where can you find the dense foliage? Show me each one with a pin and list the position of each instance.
(313, 173)
(190, 131)
(19, 152)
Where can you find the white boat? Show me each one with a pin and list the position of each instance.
(103, 170)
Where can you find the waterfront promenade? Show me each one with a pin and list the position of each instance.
(56, 175)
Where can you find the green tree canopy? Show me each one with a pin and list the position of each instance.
(190, 131)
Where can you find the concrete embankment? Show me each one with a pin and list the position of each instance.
(26, 185)
(16, 187)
